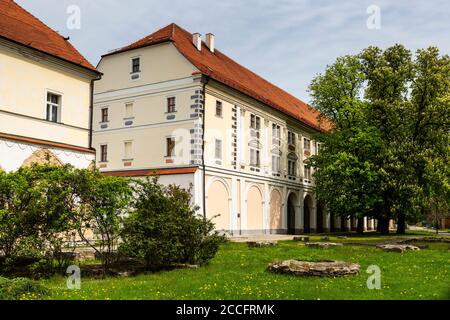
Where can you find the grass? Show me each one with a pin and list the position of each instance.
(238, 272)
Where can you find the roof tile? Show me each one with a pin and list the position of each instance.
(221, 68)
(20, 26)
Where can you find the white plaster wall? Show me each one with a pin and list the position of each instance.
(13, 154)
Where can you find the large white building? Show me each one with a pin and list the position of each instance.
(173, 105)
(46, 89)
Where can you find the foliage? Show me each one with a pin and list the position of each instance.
(21, 288)
(387, 155)
(104, 202)
(164, 229)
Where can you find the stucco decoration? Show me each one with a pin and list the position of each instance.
(42, 156)
(321, 268)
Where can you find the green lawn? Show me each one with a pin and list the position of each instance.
(240, 273)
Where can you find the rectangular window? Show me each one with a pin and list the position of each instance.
(135, 65)
(307, 144)
(105, 115)
(218, 108)
(218, 149)
(307, 172)
(53, 107)
(129, 110)
(292, 168)
(128, 150)
(255, 160)
(170, 147)
(255, 122)
(276, 164)
(171, 104)
(291, 138)
(276, 135)
(103, 153)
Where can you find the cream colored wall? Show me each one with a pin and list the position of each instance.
(254, 209)
(148, 108)
(23, 89)
(223, 127)
(149, 146)
(218, 205)
(159, 63)
(276, 206)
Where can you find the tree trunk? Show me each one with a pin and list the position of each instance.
(360, 226)
(383, 225)
(401, 224)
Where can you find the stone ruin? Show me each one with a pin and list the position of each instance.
(319, 269)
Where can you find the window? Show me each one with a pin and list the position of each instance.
(291, 138)
(307, 172)
(255, 158)
(104, 153)
(171, 103)
(276, 135)
(53, 107)
(292, 168)
(105, 115)
(218, 108)
(255, 122)
(135, 65)
(218, 149)
(128, 150)
(129, 110)
(170, 147)
(307, 144)
(276, 164)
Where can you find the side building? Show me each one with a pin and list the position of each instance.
(46, 89)
(173, 105)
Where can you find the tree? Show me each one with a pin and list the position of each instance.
(399, 108)
(104, 201)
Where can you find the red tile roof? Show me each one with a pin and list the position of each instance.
(22, 27)
(225, 70)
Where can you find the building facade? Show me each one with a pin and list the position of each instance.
(46, 89)
(173, 105)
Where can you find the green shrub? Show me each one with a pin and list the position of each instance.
(165, 229)
(21, 288)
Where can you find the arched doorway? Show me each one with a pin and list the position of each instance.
(276, 207)
(218, 206)
(319, 219)
(254, 210)
(291, 204)
(307, 209)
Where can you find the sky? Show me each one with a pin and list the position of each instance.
(287, 42)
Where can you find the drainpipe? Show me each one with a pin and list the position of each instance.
(205, 81)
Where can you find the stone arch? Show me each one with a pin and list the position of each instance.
(42, 156)
(276, 210)
(255, 208)
(308, 206)
(218, 203)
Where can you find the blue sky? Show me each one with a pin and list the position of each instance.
(287, 41)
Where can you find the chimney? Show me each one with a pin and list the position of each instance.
(197, 40)
(210, 41)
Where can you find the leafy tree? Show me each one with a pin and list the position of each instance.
(104, 201)
(391, 132)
